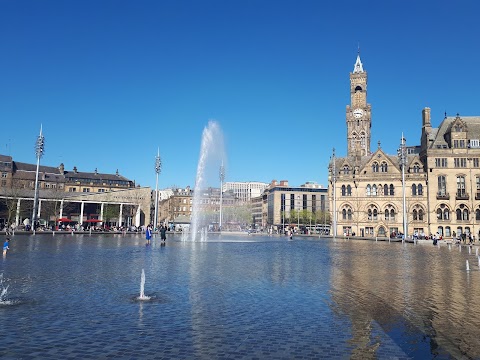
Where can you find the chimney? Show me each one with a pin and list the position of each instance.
(426, 117)
(75, 169)
(61, 168)
(96, 172)
(117, 173)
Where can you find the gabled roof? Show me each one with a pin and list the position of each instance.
(438, 135)
(88, 175)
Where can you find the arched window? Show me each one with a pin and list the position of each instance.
(462, 212)
(416, 168)
(374, 190)
(381, 231)
(420, 215)
(448, 232)
(349, 190)
(349, 214)
(392, 190)
(443, 212)
(420, 189)
(375, 167)
(369, 190)
(385, 189)
(414, 190)
(384, 167)
(343, 190)
(387, 215)
(344, 214)
(375, 214)
(372, 213)
(346, 170)
(415, 214)
(477, 214)
(358, 88)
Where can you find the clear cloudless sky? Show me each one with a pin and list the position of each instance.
(111, 81)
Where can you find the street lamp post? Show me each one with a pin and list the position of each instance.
(334, 183)
(298, 213)
(402, 157)
(39, 150)
(158, 168)
(222, 179)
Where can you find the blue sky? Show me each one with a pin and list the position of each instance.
(112, 81)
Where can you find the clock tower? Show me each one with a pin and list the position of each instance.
(358, 114)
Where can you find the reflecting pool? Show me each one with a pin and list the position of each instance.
(237, 297)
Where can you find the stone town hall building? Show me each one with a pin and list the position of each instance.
(442, 176)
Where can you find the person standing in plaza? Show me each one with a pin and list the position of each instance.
(163, 233)
(6, 246)
(148, 235)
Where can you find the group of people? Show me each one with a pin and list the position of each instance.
(148, 234)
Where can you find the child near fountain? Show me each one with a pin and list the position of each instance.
(148, 235)
(5, 246)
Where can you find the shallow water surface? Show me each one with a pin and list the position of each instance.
(237, 297)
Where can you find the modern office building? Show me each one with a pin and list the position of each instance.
(245, 191)
(295, 206)
(441, 187)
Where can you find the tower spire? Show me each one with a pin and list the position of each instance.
(358, 67)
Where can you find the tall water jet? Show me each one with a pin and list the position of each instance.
(212, 153)
(468, 266)
(3, 292)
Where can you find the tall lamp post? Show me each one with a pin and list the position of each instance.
(334, 183)
(158, 168)
(222, 179)
(402, 158)
(39, 150)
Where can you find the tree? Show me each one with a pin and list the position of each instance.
(110, 212)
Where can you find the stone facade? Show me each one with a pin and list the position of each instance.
(442, 176)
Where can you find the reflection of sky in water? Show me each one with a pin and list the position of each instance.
(239, 296)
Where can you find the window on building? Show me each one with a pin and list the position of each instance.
(461, 186)
(477, 214)
(349, 191)
(346, 170)
(443, 212)
(460, 162)
(441, 162)
(442, 185)
(385, 189)
(384, 167)
(420, 189)
(72, 189)
(462, 212)
(375, 167)
(369, 190)
(414, 190)
(476, 163)
(416, 168)
(392, 190)
(4, 174)
(374, 190)
(344, 190)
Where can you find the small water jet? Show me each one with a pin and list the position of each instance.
(468, 266)
(3, 292)
(142, 296)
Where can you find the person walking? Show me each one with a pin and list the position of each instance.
(163, 233)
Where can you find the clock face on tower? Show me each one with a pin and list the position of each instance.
(358, 113)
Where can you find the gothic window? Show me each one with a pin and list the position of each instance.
(442, 185)
(343, 190)
(374, 190)
(346, 170)
(349, 190)
(420, 189)
(349, 214)
(372, 213)
(461, 186)
(392, 190)
(369, 190)
(344, 214)
(384, 167)
(414, 190)
(415, 214)
(458, 128)
(389, 213)
(362, 140)
(443, 212)
(462, 212)
(477, 214)
(385, 189)
(375, 167)
(358, 88)
(416, 168)
(420, 214)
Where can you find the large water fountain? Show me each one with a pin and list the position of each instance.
(212, 154)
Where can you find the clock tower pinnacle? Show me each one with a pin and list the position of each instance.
(358, 114)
